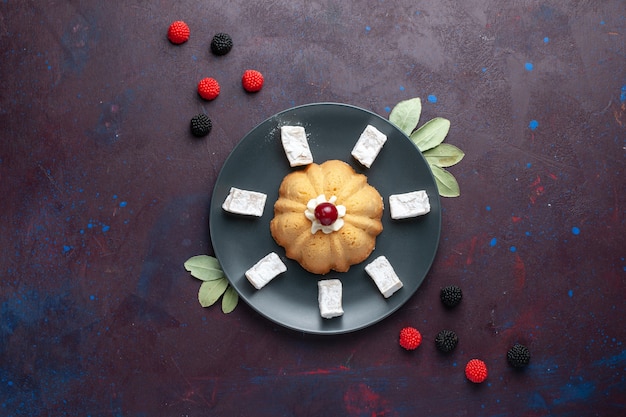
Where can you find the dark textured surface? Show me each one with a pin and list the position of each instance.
(105, 194)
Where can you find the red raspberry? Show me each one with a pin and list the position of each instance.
(252, 81)
(410, 338)
(476, 371)
(178, 32)
(208, 88)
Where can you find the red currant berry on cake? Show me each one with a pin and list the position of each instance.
(252, 81)
(476, 371)
(410, 338)
(326, 213)
(208, 88)
(178, 32)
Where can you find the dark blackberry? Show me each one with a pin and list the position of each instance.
(201, 125)
(451, 296)
(446, 341)
(518, 356)
(221, 44)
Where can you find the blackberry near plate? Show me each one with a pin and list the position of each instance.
(446, 341)
(451, 296)
(518, 356)
(200, 125)
(221, 44)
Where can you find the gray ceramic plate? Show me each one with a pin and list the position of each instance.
(258, 163)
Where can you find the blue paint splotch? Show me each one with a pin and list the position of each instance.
(432, 98)
(533, 125)
(529, 66)
(537, 402)
(493, 242)
(575, 231)
(52, 341)
(546, 40)
(622, 96)
(575, 392)
(618, 360)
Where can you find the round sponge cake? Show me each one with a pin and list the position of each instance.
(321, 252)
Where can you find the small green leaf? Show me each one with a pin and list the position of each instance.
(431, 133)
(406, 115)
(204, 267)
(444, 155)
(230, 300)
(446, 183)
(211, 291)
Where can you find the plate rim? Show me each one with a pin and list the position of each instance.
(366, 323)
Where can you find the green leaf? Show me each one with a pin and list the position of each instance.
(211, 291)
(446, 183)
(230, 300)
(406, 115)
(204, 267)
(431, 133)
(444, 155)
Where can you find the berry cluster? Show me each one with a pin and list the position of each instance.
(209, 88)
(447, 340)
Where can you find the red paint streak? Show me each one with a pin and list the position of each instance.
(553, 176)
(528, 326)
(536, 182)
(470, 256)
(516, 219)
(618, 114)
(616, 210)
(326, 371)
(465, 251)
(360, 400)
(519, 272)
(537, 189)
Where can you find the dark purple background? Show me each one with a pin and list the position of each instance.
(105, 195)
